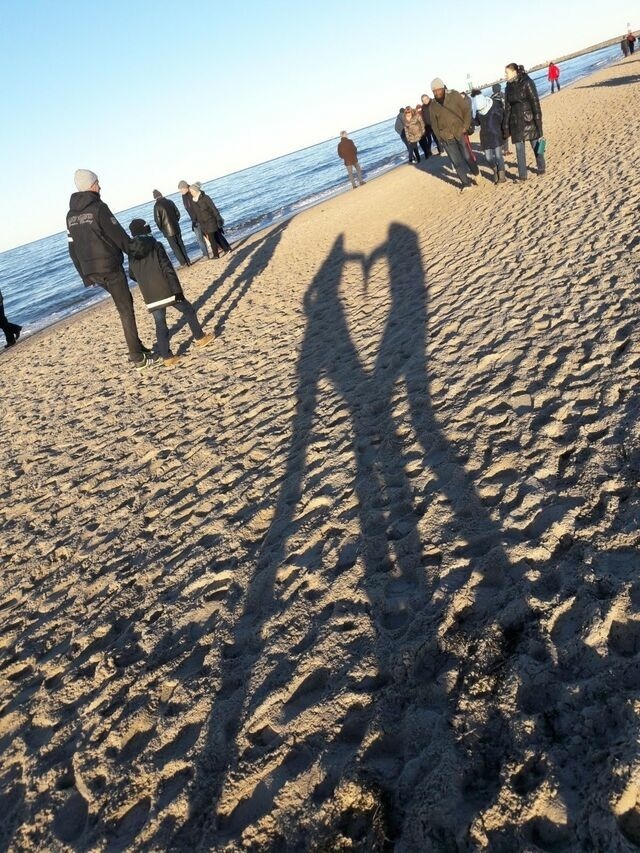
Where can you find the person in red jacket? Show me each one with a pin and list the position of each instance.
(553, 76)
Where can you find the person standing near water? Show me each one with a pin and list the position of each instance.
(11, 330)
(209, 219)
(97, 245)
(429, 135)
(399, 128)
(187, 201)
(631, 41)
(553, 76)
(450, 118)
(348, 153)
(167, 217)
(523, 117)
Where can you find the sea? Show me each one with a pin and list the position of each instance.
(40, 284)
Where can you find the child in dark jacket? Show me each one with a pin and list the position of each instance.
(488, 116)
(150, 266)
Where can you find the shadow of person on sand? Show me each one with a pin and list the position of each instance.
(446, 644)
(234, 281)
(627, 80)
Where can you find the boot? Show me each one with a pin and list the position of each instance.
(502, 177)
(541, 165)
(495, 175)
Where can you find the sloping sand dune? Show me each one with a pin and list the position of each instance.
(363, 574)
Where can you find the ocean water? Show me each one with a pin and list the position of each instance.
(40, 285)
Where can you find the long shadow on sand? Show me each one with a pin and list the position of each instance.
(444, 748)
(615, 81)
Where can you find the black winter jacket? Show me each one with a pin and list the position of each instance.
(150, 266)
(207, 214)
(97, 241)
(522, 114)
(189, 206)
(491, 126)
(166, 216)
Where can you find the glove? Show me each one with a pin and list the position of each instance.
(539, 132)
(180, 297)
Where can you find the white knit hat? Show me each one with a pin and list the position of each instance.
(437, 83)
(84, 179)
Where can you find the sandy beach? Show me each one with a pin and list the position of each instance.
(363, 574)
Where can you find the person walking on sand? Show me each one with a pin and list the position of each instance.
(348, 152)
(414, 130)
(498, 97)
(97, 245)
(429, 136)
(488, 115)
(450, 118)
(188, 203)
(553, 76)
(167, 218)
(399, 128)
(11, 330)
(160, 287)
(209, 219)
(522, 119)
(631, 40)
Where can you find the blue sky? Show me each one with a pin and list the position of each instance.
(147, 93)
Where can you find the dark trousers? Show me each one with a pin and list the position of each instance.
(632, 46)
(162, 332)
(414, 151)
(458, 153)
(426, 146)
(11, 330)
(430, 138)
(116, 286)
(403, 137)
(555, 83)
(221, 240)
(175, 241)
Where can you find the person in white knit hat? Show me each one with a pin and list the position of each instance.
(450, 119)
(97, 245)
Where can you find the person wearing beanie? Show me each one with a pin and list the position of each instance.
(450, 119)
(97, 244)
(348, 153)
(209, 219)
(167, 217)
(188, 203)
(160, 287)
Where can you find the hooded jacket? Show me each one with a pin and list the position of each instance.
(522, 114)
(150, 266)
(451, 118)
(207, 214)
(166, 216)
(96, 240)
(489, 113)
(414, 127)
(347, 151)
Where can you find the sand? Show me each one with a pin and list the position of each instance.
(362, 575)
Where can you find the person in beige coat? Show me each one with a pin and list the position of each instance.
(414, 130)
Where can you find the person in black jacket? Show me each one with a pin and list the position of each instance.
(167, 216)
(188, 203)
(97, 244)
(522, 118)
(488, 114)
(209, 219)
(160, 287)
(11, 330)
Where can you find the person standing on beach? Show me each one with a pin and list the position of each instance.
(553, 76)
(429, 135)
(160, 287)
(97, 245)
(624, 45)
(631, 40)
(209, 219)
(498, 97)
(348, 152)
(450, 118)
(11, 330)
(414, 130)
(488, 115)
(399, 128)
(187, 201)
(167, 217)
(522, 119)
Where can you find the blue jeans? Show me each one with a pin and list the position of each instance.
(160, 317)
(521, 154)
(459, 156)
(495, 157)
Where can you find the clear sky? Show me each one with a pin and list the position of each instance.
(146, 93)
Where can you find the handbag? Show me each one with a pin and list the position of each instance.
(541, 147)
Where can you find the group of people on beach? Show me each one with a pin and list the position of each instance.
(98, 245)
(449, 118)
